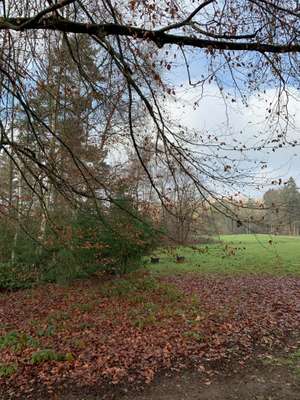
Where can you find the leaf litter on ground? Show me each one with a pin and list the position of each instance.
(129, 330)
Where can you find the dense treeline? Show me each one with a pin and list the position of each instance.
(56, 222)
(277, 213)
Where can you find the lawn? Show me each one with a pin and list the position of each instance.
(236, 254)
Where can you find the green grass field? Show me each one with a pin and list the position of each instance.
(236, 254)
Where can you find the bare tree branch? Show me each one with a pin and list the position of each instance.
(189, 18)
(156, 36)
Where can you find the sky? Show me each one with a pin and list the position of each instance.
(233, 120)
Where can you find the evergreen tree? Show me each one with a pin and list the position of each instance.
(291, 204)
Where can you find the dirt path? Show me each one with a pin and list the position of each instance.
(275, 383)
(259, 382)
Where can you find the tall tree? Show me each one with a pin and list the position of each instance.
(283, 209)
(291, 204)
(243, 45)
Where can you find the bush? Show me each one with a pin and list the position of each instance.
(17, 341)
(61, 269)
(6, 370)
(49, 355)
(85, 243)
(17, 276)
(127, 237)
(7, 237)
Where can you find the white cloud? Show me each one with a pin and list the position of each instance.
(227, 119)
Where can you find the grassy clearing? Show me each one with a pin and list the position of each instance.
(236, 254)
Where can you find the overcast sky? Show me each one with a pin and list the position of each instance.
(247, 124)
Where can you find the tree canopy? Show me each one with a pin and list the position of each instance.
(242, 46)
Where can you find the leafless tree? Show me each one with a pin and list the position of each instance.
(246, 45)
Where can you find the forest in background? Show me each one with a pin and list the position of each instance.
(94, 173)
(51, 231)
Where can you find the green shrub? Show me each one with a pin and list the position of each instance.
(145, 315)
(84, 243)
(17, 276)
(120, 288)
(146, 283)
(7, 237)
(171, 292)
(197, 336)
(6, 370)
(17, 341)
(49, 330)
(61, 269)
(131, 287)
(86, 325)
(86, 307)
(87, 227)
(127, 237)
(145, 321)
(58, 316)
(49, 355)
